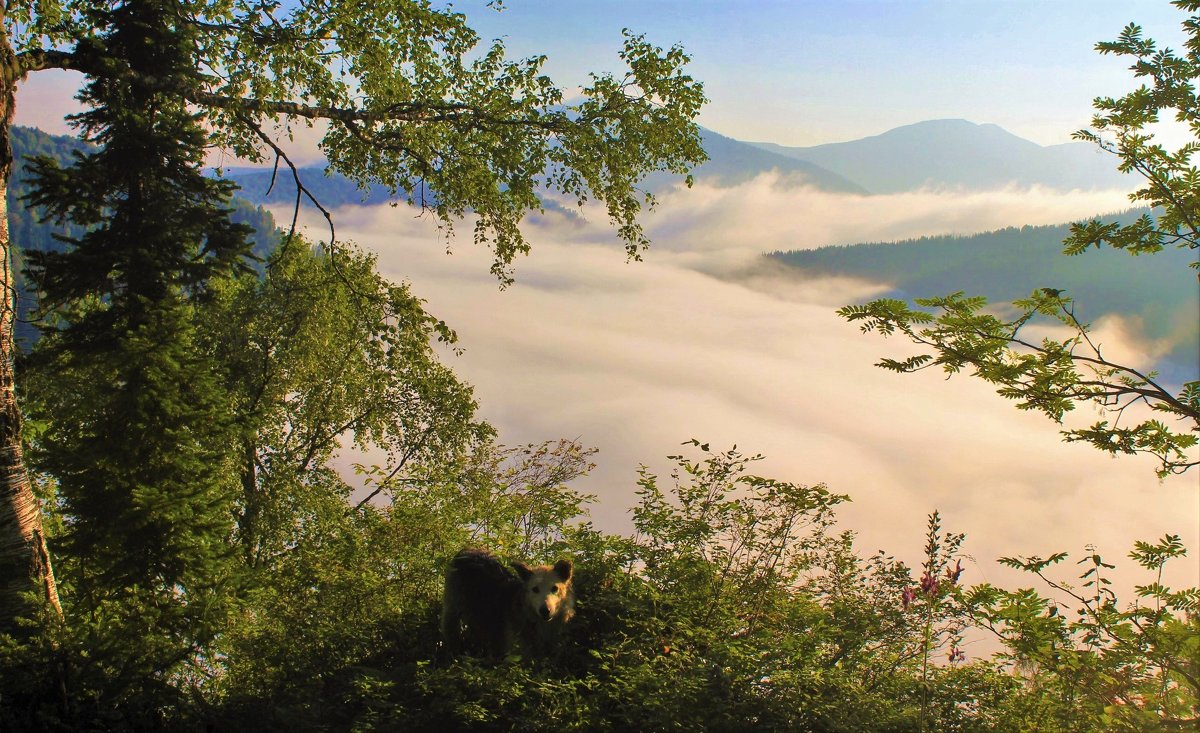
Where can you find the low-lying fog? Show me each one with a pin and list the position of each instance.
(699, 341)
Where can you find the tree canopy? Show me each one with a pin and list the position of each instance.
(414, 101)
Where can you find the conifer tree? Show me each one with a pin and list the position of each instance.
(138, 435)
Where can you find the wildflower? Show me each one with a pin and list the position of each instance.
(956, 655)
(929, 583)
(907, 597)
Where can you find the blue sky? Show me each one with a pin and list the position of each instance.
(802, 72)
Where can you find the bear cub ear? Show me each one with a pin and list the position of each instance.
(564, 569)
(523, 570)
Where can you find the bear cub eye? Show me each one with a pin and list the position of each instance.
(534, 589)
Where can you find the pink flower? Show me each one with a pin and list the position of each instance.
(907, 597)
(956, 654)
(929, 584)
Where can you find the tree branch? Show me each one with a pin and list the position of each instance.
(399, 112)
(40, 59)
(301, 190)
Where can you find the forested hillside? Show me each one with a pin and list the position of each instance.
(1010, 263)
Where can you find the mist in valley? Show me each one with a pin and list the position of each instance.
(707, 339)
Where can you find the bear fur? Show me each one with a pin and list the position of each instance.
(487, 608)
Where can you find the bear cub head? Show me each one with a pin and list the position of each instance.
(548, 594)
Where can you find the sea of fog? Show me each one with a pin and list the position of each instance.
(700, 340)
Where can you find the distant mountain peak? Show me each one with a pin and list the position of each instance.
(940, 124)
(948, 122)
(956, 129)
(733, 161)
(959, 154)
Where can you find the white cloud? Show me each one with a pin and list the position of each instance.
(761, 216)
(635, 358)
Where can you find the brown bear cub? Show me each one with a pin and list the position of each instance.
(486, 608)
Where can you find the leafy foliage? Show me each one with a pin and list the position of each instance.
(411, 103)
(190, 420)
(415, 104)
(1107, 667)
(702, 620)
(1120, 127)
(321, 350)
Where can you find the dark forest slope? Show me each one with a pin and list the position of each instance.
(1010, 263)
(28, 233)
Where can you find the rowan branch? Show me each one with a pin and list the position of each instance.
(1155, 392)
(426, 112)
(40, 59)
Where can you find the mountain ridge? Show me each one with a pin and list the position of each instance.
(957, 153)
(940, 154)
(1159, 290)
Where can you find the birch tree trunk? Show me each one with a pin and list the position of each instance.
(24, 558)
